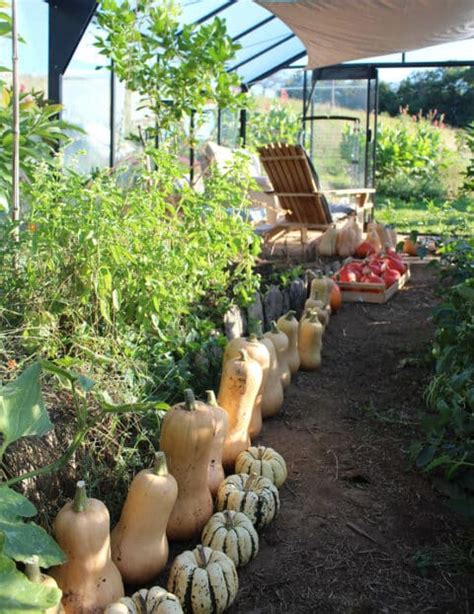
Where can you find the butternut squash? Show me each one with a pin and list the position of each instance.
(327, 243)
(319, 289)
(89, 579)
(139, 544)
(289, 325)
(273, 396)
(281, 344)
(373, 237)
(187, 434)
(310, 341)
(34, 574)
(257, 351)
(317, 306)
(349, 237)
(239, 386)
(215, 472)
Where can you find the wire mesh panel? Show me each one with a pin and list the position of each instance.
(340, 129)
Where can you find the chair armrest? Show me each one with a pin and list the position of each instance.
(349, 191)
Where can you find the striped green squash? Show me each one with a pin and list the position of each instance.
(263, 461)
(255, 496)
(204, 580)
(155, 600)
(233, 534)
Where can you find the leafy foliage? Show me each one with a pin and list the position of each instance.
(22, 411)
(40, 133)
(177, 69)
(449, 447)
(134, 277)
(449, 90)
(468, 184)
(18, 594)
(409, 158)
(278, 123)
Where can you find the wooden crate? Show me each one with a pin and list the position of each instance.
(357, 292)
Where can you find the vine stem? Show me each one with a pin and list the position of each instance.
(3, 449)
(58, 463)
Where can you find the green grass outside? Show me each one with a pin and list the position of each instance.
(428, 217)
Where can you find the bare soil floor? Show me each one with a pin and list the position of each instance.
(359, 530)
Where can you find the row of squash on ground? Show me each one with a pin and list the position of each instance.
(174, 499)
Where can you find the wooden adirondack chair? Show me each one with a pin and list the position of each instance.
(297, 186)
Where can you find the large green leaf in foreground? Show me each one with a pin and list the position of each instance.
(18, 594)
(22, 410)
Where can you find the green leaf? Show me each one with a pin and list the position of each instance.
(12, 504)
(425, 456)
(18, 594)
(24, 539)
(22, 411)
(86, 383)
(463, 506)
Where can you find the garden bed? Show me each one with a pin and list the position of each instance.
(358, 533)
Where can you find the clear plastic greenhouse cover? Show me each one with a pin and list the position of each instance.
(266, 42)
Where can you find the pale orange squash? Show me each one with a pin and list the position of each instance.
(89, 579)
(273, 395)
(34, 574)
(257, 351)
(316, 305)
(240, 382)
(310, 341)
(215, 473)
(139, 543)
(289, 325)
(281, 345)
(187, 434)
(319, 289)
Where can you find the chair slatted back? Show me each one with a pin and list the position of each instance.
(296, 183)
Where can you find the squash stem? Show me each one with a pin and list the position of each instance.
(228, 519)
(159, 465)
(290, 315)
(274, 327)
(189, 400)
(243, 355)
(313, 316)
(211, 398)
(80, 498)
(202, 557)
(261, 452)
(253, 337)
(250, 481)
(32, 570)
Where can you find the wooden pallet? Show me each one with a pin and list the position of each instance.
(357, 292)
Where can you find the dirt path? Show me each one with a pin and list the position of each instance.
(359, 531)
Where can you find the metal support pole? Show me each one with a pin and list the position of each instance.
(368, 135)
(243, 119)
(112, 117)
(303, 116)
(376, 113)
(219, 125)
(191, 148)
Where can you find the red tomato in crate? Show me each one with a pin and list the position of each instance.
(394, 262)
(390, 276)
(364, 249)
(347, 275)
